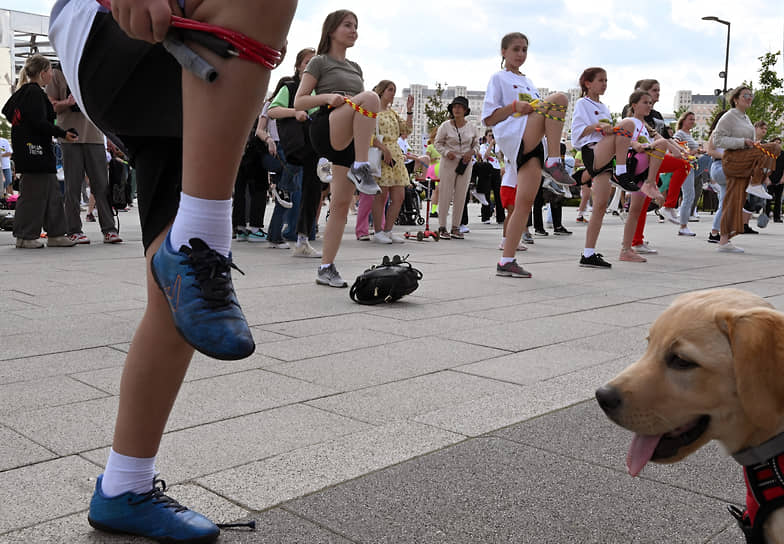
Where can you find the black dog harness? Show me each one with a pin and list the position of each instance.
(763, 470)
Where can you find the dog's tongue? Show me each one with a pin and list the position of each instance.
(640, 452)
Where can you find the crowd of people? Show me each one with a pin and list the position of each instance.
(206, 160)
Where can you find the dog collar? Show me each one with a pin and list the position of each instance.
(763, 470)
(762, 453)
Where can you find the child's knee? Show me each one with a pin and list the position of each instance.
(369, 99)
(626, 124)
(558, 98)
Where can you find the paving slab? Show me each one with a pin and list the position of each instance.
(492, 491)
(17, 451)
(266, 483)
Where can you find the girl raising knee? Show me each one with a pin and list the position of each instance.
(520, 119)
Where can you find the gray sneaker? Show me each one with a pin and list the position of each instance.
(330, 276)
(527, 238)
(363, 179)
(511, 270)
(558, 174)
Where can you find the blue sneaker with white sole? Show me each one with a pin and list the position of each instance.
(197, 283)
(152, 515)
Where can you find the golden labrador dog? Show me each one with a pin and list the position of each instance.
(713, 370)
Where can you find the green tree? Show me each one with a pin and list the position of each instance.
(768, 104)
(435, 109)
(5, 129)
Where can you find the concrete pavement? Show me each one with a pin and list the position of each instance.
(461, 414)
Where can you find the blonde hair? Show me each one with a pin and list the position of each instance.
(34, 65)
(382, 86)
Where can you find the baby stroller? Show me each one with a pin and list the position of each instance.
(410, 212)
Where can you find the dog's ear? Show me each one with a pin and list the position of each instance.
(758, 360)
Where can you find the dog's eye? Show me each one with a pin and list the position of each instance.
(676, 363)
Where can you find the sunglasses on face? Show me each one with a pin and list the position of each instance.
(747, 95)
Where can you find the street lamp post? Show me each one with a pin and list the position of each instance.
(726, 58)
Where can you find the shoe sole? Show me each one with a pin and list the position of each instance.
(164, 540)
(219, 356)
(598, 266)
(562, 233)
(511, 275)
(330, 284)
(570, 183)
(687, 235)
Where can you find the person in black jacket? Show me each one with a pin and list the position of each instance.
(32, 127)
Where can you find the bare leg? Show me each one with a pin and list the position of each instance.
(216, 120)
(601, 195)
(379, 203)
(339, 202)
(346, 125)
(635, 206)
(528, 178)
(396, 196)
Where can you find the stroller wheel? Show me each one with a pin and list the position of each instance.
(420, 220)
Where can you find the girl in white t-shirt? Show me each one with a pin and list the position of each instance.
(510, 100)
(643, 163)
(599, 142)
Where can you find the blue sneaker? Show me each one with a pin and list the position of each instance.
(197, 283)
(153, 515)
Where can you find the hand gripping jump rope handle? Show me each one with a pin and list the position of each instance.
(223, 42)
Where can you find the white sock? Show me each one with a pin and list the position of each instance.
(551, 161)
(503, 240)
(506, 260)
(125, 473)
(209, 220)
(323, 266)
(254, 229)
(301, 240)
(620, 169)
(588, 251)
(357, 164)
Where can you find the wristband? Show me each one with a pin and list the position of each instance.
(409, 113)
(514, 106)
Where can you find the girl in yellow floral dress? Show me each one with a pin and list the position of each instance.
(394, 176)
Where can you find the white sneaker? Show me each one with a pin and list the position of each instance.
(686, 232)
(520, 247)
(396, 238)
(279, 245)
(645, 248)
(464, 229)
(694, 218)
(671, 215)
(729, 248)
(382, 237)
(480, 197)
(306, 250)
(758, 190)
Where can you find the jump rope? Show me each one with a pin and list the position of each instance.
(221, 41)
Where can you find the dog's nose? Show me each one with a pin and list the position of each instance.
(609, 398)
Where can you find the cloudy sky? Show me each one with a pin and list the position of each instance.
(458, 42)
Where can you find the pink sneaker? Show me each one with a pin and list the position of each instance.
(79, 238)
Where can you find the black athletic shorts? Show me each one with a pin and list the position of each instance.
(588, 161)
(535, 153)
(132, 91)
(319, 138)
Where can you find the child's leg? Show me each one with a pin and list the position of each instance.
(553, 127)
(528, 178)
(339, 202)
(509, 211)
(346, 124)
(601, 195)
(640, 228)
(635, 208)
(396, 196)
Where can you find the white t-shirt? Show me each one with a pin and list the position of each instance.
(272, 125)
(586, 113)
(491, 157)
(640, 133)
(403, 144)
(505, 87)
(5, 147)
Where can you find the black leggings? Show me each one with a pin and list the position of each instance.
(555, 209)
(311, 195)
(494, 186)
(774, 203)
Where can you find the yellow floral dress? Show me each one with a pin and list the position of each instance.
(390, 126)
